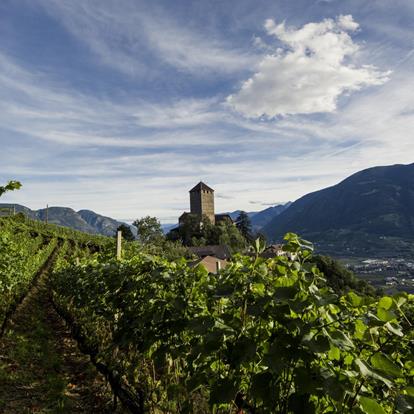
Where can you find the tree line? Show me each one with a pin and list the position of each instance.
(194, 231)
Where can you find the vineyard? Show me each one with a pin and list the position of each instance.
(37, 355)
(25, 247)
(261, 336)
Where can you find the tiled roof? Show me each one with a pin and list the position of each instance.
(210, 263)
(201, 187)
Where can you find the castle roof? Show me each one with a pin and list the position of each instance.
(201, 187)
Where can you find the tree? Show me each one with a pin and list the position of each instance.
(193, 232)
(231, 237)
(10, 186)
(340, 279)
(244, 225)
(126, 232)
(149, 230)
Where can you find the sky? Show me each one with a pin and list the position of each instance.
(122, 106)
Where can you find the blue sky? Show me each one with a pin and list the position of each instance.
(121, 106)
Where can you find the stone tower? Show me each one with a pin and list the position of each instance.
(202, 201)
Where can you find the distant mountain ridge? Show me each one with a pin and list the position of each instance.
(259, 219)
(82, 220)
(373, 204)
(370, 212)
(262, 218)
(90, 222)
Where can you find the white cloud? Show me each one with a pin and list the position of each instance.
(347, 23)
(129, 157)
(309, 74)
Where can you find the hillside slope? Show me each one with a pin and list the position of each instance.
(83, 220)
(378, 202)
(260, 218)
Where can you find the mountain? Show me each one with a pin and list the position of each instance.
(257, 218)
(260, 218)
(83, 220)
(9, 208)
(374, 206)
(64, 216)
(167, 227)
(235, 214)
(101, 224)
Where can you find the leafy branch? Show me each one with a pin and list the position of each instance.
(10, 186)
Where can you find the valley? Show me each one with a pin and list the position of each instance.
(389, 274)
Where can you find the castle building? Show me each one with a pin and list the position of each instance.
(202, 204)
(202, 201)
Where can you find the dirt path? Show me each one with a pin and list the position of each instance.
(41, 368)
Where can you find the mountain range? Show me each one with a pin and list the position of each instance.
(82, 220)
(90, 222)
(370, 211)
(259, 219)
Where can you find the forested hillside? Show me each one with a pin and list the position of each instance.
(374, 206)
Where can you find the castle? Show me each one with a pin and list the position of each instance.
(202, 204)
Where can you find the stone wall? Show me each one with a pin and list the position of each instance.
(202, 203)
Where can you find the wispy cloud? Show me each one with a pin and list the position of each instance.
(224, 196)
(127, 37)
(156, 120)
(34, 105)
(191, 51)
(276, 203)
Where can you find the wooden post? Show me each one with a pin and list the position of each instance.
(47, 213)
(119, 245)
(77, 261)
(218, 266)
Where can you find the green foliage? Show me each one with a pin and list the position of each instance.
(167, 249)
(340, 279)
(21, 256)
(267, 336)
(126, 232)
(261, 237)
(149, 230)
(10, 186)
(244, 225)
(22, 223)
(25, 245)
(227, 234)
(192, 232)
